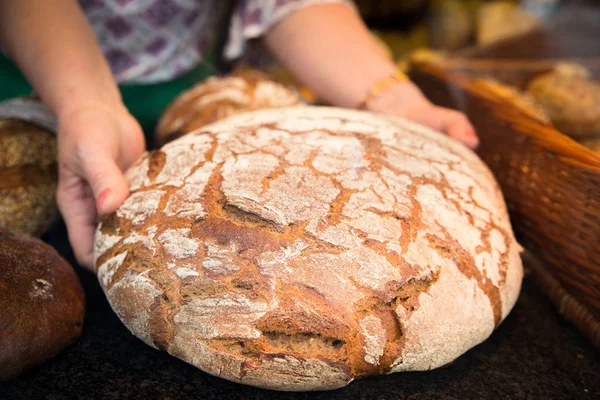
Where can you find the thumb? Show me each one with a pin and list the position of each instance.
(106, 180)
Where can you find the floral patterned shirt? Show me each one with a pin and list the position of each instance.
(148, 41)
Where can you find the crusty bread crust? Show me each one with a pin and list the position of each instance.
(570, 99)
(42, 303)
(221, 97)
(28, 177)
(593, 144)
(300, 248)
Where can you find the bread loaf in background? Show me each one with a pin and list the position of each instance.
(303, 247)
(220, 97)
(571, 100)
(28, 177)
(500, 20)
(593, 144)
(451, 24)
(41, 303)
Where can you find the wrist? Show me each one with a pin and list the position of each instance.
(396, 98)
(96, 90)
(381, 86)
(77, 105)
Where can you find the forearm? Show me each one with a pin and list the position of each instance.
(55, 48)
(328, 48)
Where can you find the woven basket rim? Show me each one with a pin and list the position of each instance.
(455, 62)
(546, 135)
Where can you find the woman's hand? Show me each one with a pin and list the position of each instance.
(404, 99)
(329, 50)
(55, 47)
(95, 144)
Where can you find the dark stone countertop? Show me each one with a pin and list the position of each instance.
(535, 354)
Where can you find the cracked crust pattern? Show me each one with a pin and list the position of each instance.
(300, 248)
(221, 97)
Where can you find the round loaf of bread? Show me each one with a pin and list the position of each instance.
(41, 303)
(28, 177)
(570, 99)
(220, 97)
(300, 248)
(593, 144)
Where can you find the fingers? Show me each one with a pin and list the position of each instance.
(457, 126)
(133, 136)
(407, 101)
(106, 180)
(76, 204)
(90, 186)
(95, 144)
(453, 123)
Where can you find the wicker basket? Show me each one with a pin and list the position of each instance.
(571, 36)
(551, 184)
(517, 73)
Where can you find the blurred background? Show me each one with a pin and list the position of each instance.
(451, 25)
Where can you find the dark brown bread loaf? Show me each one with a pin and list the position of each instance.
(28, 177)
(220, 97)
(41, 303)
(300, 248)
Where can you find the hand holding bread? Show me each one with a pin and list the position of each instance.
(95, 145)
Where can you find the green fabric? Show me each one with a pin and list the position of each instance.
(12, 82)
(146, 102)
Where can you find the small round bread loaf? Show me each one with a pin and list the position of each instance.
(593, 144)
(220, 97)
(570, 99)
(28, 177)
(301, 248)
(41, 303)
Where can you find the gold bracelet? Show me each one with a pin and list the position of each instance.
(381, 86)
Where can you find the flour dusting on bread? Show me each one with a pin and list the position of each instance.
(300, 248)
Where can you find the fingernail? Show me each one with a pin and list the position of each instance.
(102, 198)
(472, 141)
